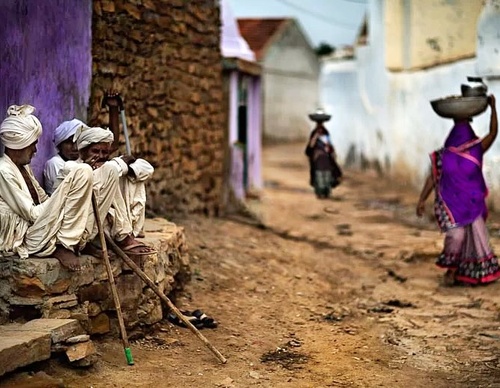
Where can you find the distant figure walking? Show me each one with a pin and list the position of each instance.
(460, 204)
(325, 174)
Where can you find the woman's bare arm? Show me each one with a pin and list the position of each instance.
(491, 136)
(424, 194)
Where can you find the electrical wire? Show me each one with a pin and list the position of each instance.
(362, 2)
(335, 23)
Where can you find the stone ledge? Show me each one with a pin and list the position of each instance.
(24, 344)
(42, 288)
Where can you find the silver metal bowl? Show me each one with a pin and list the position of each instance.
(476, 91)
(458, 107)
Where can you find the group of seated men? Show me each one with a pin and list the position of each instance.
(60, 221)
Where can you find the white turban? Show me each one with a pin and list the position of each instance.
(20, 129)
(86, 136)
(66, 130)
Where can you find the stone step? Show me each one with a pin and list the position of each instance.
(24, 344)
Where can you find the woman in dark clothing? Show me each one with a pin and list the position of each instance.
(325, 174)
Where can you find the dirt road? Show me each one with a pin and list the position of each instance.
(332, 293)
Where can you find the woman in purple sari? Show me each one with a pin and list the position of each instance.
(460, 204)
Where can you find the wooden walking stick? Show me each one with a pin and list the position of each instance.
(114, 292)
(163, 297)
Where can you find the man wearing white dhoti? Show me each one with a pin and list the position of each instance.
(95, 143)
(66, 150)
(31, 222)
(118, 185)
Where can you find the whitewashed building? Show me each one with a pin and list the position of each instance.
(290, 73)
(415, 51)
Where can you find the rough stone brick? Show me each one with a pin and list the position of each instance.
(176, 68)
(20, 348)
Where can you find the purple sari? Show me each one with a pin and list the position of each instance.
(460, 207)
(460, 186)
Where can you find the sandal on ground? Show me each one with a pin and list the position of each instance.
(192, 319)
(207, 321)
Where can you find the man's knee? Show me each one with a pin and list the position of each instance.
(83, 171)
(108, 172)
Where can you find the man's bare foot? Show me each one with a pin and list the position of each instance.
(131, 246)
(141, 234)
(67, 258)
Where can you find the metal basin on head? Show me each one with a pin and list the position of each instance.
(458, 107)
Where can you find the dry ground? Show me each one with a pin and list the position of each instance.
(333, 293)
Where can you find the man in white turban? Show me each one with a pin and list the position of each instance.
(66, 150)
(119, 185)
(31, 222)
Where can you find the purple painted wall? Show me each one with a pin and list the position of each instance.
(46, 61)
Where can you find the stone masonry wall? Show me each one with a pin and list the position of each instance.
(41, 288)
(163, 56)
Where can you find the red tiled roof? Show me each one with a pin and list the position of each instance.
(259, 32)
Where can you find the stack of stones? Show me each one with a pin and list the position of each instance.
(163, 56)
(37, 340)
(42, 288)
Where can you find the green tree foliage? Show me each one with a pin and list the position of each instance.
(324, 49)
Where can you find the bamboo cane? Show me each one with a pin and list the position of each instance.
(114, 292)
(163, 297)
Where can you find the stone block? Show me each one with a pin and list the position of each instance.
(62, 302)
(5, 288)
(59, 329)
(19, 347)
(100, 272)
(58, 314)
(94, 309)
(95, 292)
(22, 301)
(59, 286)
(47, 270)
(80, 351)
(151, 266)
(29, 287)
(129, 289)
(99, 324)
(106, 6)
(78, 339)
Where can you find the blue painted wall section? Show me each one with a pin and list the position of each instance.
(46, 61)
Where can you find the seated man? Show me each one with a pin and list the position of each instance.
(132, 179)
(66, 150)
(31, 222)
(111, 179)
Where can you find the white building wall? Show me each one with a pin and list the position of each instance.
(386, 118)
(291, 89)
(288, 101)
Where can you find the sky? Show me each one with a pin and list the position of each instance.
(335, 22)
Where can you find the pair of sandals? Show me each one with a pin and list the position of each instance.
(197, 318)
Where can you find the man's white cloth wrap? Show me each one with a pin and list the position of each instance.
(20, 129)
(66, 130)
(86, 136)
